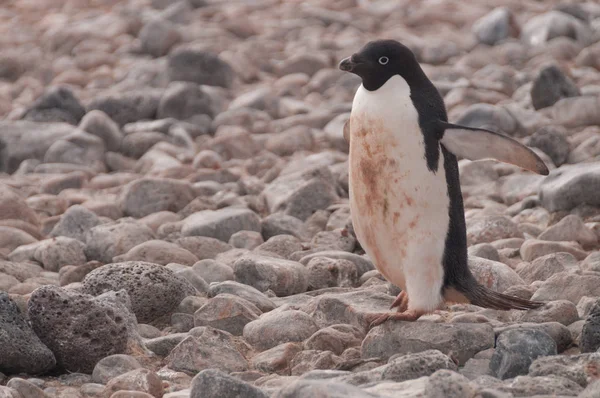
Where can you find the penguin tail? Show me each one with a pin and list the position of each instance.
(483, 297)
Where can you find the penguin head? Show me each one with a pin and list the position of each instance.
(379, 60)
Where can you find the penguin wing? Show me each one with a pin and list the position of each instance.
(476, 144)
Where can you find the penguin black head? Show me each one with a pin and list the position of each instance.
(379, 60)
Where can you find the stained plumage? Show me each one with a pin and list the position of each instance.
(405, 196)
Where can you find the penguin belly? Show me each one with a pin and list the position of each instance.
(399, 207)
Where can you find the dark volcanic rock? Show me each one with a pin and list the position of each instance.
(550, 86)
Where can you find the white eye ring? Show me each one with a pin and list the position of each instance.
(384, 60)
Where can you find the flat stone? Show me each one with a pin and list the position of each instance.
(570, 286)
(227, 312)
(112, 366)
(534, 248)
(571, 186)
(277, 327)
(220, 224)
(283, 277)
(213, 383)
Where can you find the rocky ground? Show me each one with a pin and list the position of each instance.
(173, 204)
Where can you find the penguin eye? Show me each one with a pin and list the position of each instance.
(384, 60)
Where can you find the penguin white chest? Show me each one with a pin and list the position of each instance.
(399, 207)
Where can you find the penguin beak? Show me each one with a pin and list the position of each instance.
(349, 64)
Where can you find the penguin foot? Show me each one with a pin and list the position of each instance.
(401, 302)
(410, 316)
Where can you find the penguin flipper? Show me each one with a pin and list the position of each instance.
(476, 144)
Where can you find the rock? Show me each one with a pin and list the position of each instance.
(447, 383)
(79, 329)
(184, 100)
(174, 195)
(203, 247)
(220, 224)
(281, 224)
(158, 36)
(589, 341)
(192, 277)
(544, 267)
(112, 366)
(493, 274)
(571, 228)
(213, 383)
(458, 339)
(559, 332)
(496, 26)
(338, 239)
(569, 187)
(130, 394)
(79, 148)
(154, 290)
(158, 252)
(227, 312)
(232, 142)
(60, 251)
(591, 262)
(551, 85)
(577, 111)
(570, 286)
(484, 250)
(142, 380)
(163, 345)
(309, 360)
(413, 366)
(324, 272)
(534, 248)
(545, 27)
(322, 389)
(57, 104)
(277, 359)
(302, 193)
(21, 351)
(213, 271)
(489, 117)
(283, 277)
(275, 328)
(199, 67)
(281, 245)
(15, 239)
(362, 263)
(335, 338)
(287, 142)
(25, 388)
(75, 223)
(302, 63)
(526, 386)
(516, 349)
(578, 368)
(491, 228)
(22, 140)
(551, 140)
(106, 241)
(210, 351)
(246, 239)
(100, 125)
(128, 107)
(248, 293)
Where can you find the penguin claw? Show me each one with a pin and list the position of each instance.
(410, 316)
(401, 302)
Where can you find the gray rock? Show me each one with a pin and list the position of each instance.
(559, 332)
(195, 354)
(289, 141)
(516, 349)
(579, 368)
(163, 345)
(129, 106)
(279, 327)
(213, 383)
(227, 312)
(21, 351)
(139, 380)
(158, 252)
(220, 224)
(203, 247)
(277, 359)
(248, 293)
(551, 85)
(484, 250)
(79, 148)
(458, 339)
(490, 229)
(496, 26)
(246, 240)
(79, 329)
(322, 389)
(281, 224)
(493, 274)
(213, 271)
(571, 228)
(553, 386)
(335, 338)
(100, 125)
(362, 263)
(570, 186)
(447, 383)
(591, 262)
(60, 251)
(589, 341)
(150, 195)
(25, 388)
(545, 27)
(135, 145)
(325, 272)
(570, 286)
(75, 223)
(490, 117)
(199, 67)
(184, 100)
(552, 141)
(302, 193)
(534, 248)
(157, 37)
(546, 266)
(309, 360)
(577, 111)
(413, 366)
(154, 290)
(57, 104)
(112, 366)
(283, 277)
(282, 245)
(106, 241)
(338, 239)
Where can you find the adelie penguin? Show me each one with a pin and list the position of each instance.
(405, 197)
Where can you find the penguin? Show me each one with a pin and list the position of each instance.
(405, 198)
